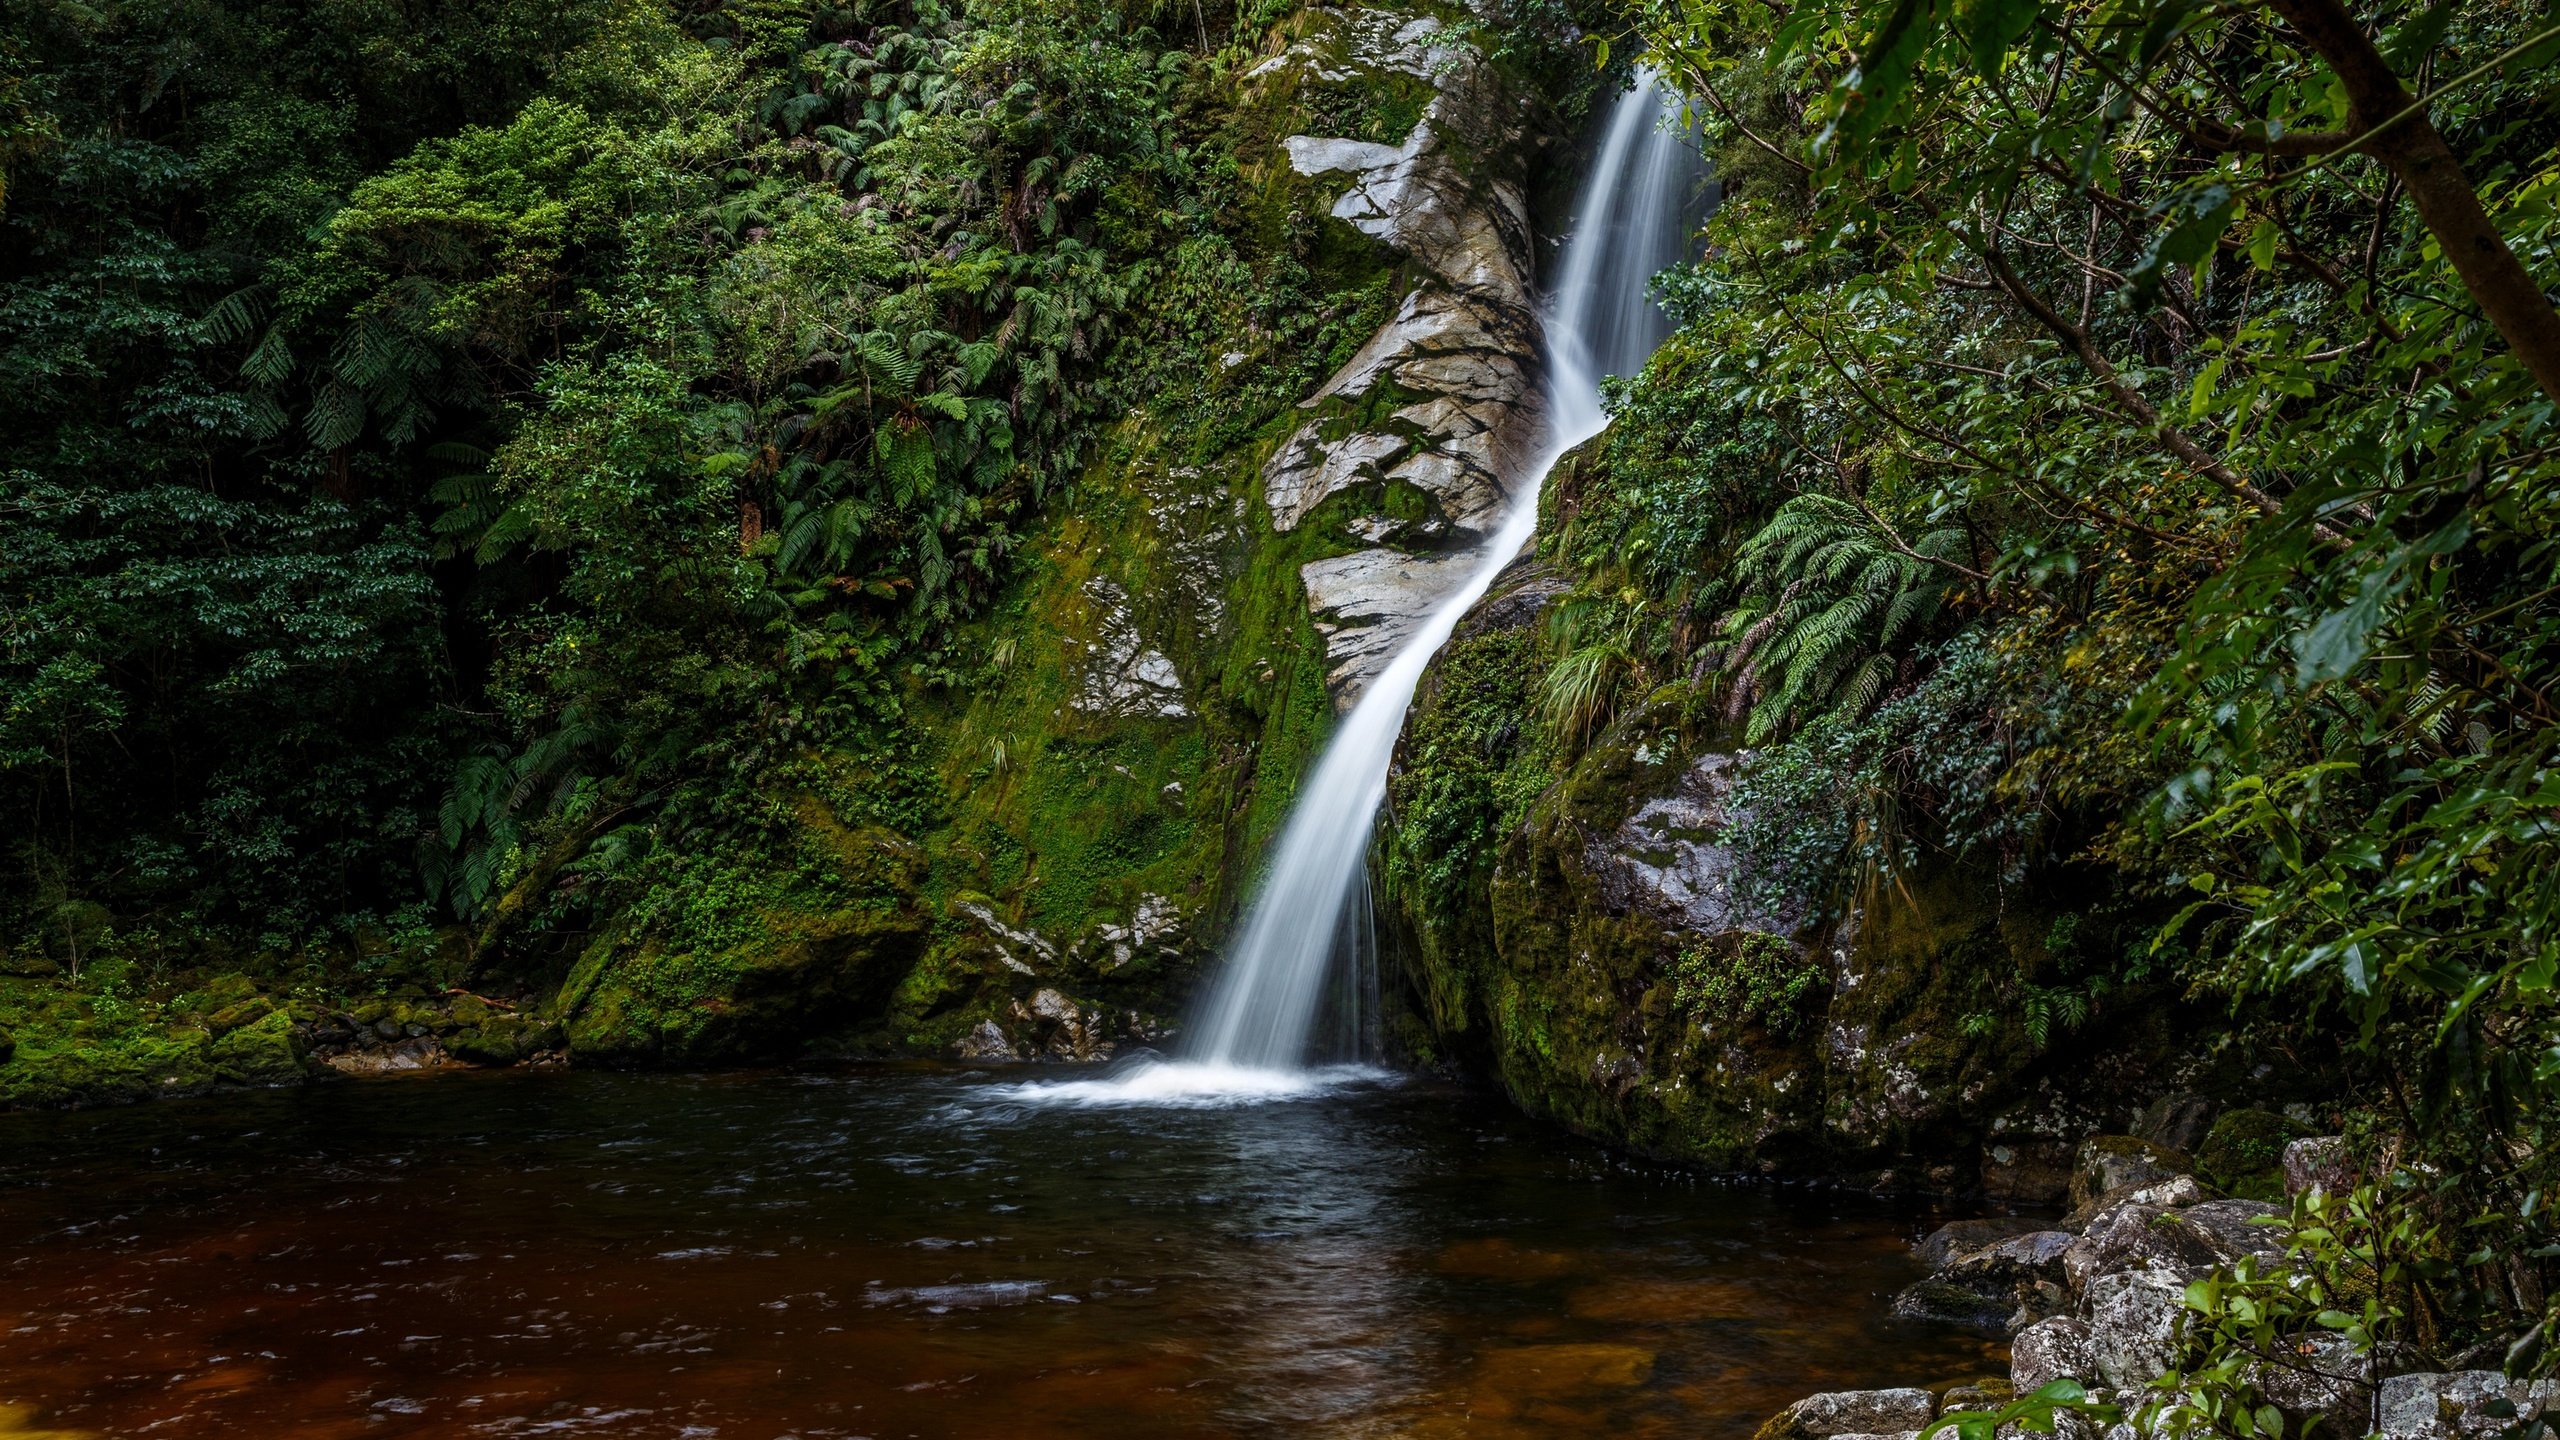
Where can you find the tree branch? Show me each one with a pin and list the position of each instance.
(2397, 132)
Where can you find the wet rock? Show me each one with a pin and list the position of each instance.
(1957, 1238)
(411, 1054)
(2055, 1349)
(2318, 1162)
(1852, 1412)
(2139, 1236)
(1119, 674)
(2110, 1162)
(2027, 1171)
(2036, 1255)
(2003, 1286)
(2165, 1194)
(2176, 1122)
(2136, 1321)
(2443, 1406)
(986, 1043)
(1946, 1303)
(1460, 354)
(1665, 859)
(1154, 927)
(1014, 948)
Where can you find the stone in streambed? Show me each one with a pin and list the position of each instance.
(2109, 1162)
(1947, 1303)
(986, 1043)
(1836, 1413)
(2173, 1193)
(1957, 1238)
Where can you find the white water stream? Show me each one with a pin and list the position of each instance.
(1251, 1034)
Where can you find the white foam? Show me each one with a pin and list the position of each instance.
(1189, 1084)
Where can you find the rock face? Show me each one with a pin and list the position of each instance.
(2446, 1406)
(1574, 954)
(1444, 401)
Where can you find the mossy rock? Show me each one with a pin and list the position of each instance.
(245, 1012)
(2108, 1163)
(2244, 1153)
(500, 1039)
(261, 1052)
(758, 1000)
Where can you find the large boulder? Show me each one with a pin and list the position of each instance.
(2244, 1152)
(2132, 1237)
(2137, 1320)
(2110, 1162)
(2239, 1227)
(2173, 1193)
(2445, 1406)
(2057, 1349)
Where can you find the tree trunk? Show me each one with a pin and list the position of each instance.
(2417, 154)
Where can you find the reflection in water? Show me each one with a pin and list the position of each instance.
(906, 1252)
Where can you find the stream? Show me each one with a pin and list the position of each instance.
(912, 1251)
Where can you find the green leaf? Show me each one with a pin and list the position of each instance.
(2197, 217)
(1990, 28)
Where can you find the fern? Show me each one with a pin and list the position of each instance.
(1847, 599)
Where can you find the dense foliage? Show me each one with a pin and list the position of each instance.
(2132, 444)
(436, 435)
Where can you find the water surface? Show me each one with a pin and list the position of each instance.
(909, 1251)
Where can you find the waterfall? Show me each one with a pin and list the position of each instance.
(1251, 1031)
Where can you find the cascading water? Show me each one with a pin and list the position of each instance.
(1251, 1033)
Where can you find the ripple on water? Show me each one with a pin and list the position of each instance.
(1156, 1252)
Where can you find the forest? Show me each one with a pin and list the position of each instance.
(566, 531)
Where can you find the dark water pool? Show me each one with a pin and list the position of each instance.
(908, 1252)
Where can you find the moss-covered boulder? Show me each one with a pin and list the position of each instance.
(2243, 1153)
(1580, 922)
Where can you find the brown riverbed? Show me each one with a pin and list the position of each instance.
(910, 1252)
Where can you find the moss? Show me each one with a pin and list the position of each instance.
(2243, 1154)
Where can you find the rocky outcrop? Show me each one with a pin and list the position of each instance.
(1591, 958)
(1444, 401)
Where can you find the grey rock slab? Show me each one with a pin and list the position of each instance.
(1862, 1412)
(2055, 1349)
(2446, 1405)
(2137, 1236)
(2136, 1319)
(1367, 603)
(2323, 1374)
